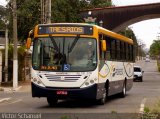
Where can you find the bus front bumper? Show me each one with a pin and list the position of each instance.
(63, 93)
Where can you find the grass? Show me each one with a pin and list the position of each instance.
(153, 113)
(65, 117)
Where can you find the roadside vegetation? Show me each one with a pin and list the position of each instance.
(152, 113)
(21, 62)
(155, 52)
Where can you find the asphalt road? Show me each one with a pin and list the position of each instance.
(142, 94)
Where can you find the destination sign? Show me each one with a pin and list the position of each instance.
(82, 30)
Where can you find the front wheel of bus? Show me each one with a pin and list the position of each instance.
(52, 101)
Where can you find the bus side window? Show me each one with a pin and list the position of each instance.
(101, 53)
(122, 50)
(126, 51)
(108, 52)
(118, 49)
(113, 49)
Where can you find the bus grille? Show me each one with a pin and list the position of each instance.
(63, 78)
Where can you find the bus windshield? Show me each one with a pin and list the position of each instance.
(64, 54)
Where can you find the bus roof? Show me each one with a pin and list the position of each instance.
(100, 30)
(114, 34)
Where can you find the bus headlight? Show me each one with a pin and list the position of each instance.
(89, 82)
(37, 81)
(34, 80)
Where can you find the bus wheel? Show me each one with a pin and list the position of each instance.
(123, 93)
(52, 101)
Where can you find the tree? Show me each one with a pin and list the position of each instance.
(2, 17)
(28, 15)
(100, 3)
(155, 48)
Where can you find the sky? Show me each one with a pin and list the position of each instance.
(145, 31)
(3, 2)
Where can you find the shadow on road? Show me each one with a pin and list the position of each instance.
(70, 103)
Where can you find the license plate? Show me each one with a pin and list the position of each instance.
(62, 92)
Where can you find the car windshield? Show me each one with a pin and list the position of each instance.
(64, 54)
(136, 69)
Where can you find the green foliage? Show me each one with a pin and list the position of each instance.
(65, 117)
(100, 3)
(146, 110)
(155, 48)
(2, 25)
(2, 17)
(155, 52)
(152, 113)
(28, 16)
(21, 62)
(65, 10)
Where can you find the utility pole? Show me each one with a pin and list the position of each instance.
(48, 11)
(15, 59)
(42, 11)
(6, 51)
(45, 11)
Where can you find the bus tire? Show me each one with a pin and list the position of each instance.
(123, 93)
(52, 101)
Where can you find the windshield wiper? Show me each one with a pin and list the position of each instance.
(54, 43)
(74, 43)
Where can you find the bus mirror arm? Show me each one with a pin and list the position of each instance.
(28, 43)
(103, 45)
(29, 39)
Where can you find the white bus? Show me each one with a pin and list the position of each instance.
(79, 61)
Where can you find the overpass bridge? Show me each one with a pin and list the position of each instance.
(118, 18)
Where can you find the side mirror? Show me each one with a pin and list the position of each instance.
(28, 43)
(103, 45)
(142, 71)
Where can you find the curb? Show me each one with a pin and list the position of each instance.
(16, 89)
(5, 89)
(10, 89)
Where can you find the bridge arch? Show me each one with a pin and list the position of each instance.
(135, 20)
(118, 18)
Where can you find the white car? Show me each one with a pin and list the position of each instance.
(147, 60)
(138, 73)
